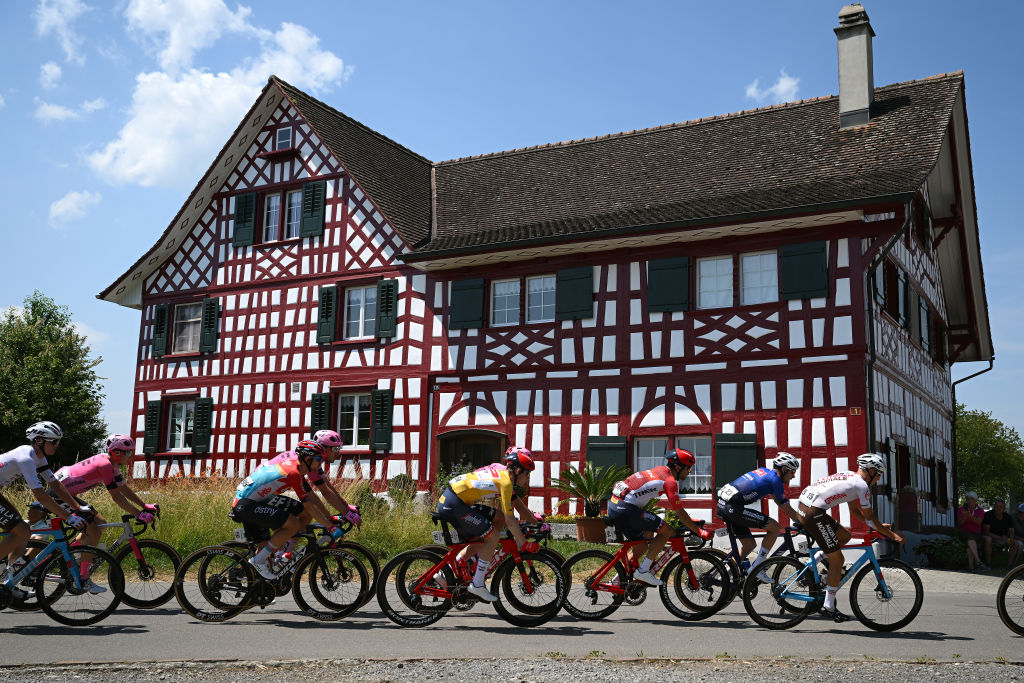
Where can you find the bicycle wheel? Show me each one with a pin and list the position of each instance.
(333, 578)
(773, 604)
(370, 563)
(214, 583)
(395, 587)
(1010, 600)
(149, 578)
(73, 606)
(873, 609)
(530, 592)
(28, 584)
(585, 598)
(695, 601)
(735, 573)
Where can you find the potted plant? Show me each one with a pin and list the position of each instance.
(944, 552)
(592, 485)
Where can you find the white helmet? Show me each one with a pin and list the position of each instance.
(871, 461)
(786, 461)
(44, 430)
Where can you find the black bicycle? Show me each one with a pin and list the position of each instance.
(1010, 600)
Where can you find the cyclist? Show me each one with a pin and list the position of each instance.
(29, 463)
(259, 506)
(853, 488)
(753, 486)
(491, 483)
(631, 495)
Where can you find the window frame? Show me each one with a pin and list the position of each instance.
(518, 301)
(743, 277)
(289, 200)
(197, 323)
(525, 293)
(277, 138)
(705, 460)
(354, 431)
(363, 335)
(172, 431)
(732, 274)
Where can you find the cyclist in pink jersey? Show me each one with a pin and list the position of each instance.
(331, 442)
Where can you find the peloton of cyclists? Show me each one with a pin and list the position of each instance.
(631, 495)
(853, 488)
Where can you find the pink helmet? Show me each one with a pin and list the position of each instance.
(327, 438)
(120, 442)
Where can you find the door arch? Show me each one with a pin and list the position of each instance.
(469, 449)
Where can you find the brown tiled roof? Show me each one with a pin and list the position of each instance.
(764, 160)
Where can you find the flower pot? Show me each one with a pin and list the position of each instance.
(590, 529)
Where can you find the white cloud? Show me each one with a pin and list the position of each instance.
(92, 335)
(179, 121)
(49, 75)
(90, 106)
(783, 90)
(56, 16)
(72, 207)
(2, 102)
(48, 113)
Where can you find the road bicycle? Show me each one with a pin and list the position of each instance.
(418, 587)
(695, 584)
(216, 583)
(1010, 600)
(739, 568)
(57, 585)
(881, 601)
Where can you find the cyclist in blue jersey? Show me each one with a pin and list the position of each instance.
(733, 499)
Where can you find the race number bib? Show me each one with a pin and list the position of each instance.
(620, 489)
(727, 492)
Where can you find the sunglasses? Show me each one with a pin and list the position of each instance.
(53, 442)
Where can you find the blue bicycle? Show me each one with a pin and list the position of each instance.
(53, 580)
(881, 601)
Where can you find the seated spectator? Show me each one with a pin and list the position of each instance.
(998, 529)
(968, 526)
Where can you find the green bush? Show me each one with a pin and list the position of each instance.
(401, 488)
(946, 552)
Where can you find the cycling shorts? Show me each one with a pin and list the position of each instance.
(259, 516)
(469, 521)
(631, 520)
(10, 516)
(823, 529)
(739, 519)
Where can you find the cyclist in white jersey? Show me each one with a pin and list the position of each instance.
(854, 489)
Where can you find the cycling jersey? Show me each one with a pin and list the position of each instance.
(24, 463)
(315, 477)
(642, 487)
(269, 480)
(841, 487)
(485, 484)
(755, 485)
(90, 473)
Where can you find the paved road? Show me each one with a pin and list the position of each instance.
(957, 623)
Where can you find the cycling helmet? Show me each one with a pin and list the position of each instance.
(786, 461)
(309, 449)
(44, 430)
(327, 438)
(680, 456)
(517, 456)
(871, 461)
(120, 442)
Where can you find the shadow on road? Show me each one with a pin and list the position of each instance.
(61, 630)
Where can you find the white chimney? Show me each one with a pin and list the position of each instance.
(856, 67)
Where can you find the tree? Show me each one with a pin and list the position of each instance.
(989, 456)
(46, 374)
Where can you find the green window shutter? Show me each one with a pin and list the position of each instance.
(208, 333)
(574, 294)
(382, 408)
(904, 302)
(160, 330)
(321, 413)
(387, 308)
(466, 311)
(914, 315)
(912, 463)
(245, 220)
(327, 315)
(803, 270)
(939, 352)
(607, 451)
(201, 427)
(152, 438)
(313, 201)
(735, 455)
(668, 284)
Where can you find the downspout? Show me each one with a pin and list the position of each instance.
(956, 478)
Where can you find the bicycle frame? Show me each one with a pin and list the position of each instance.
(867, 555)
(786, 548)
(57, 542)
(507, 546)
(676, 544)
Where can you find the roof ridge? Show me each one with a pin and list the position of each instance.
(686, 124)
(285, 84)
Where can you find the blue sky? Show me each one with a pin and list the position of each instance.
(115, 109)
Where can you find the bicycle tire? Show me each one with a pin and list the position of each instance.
(766, 602)
(369, 561)
(1010, 600)
(700, 602)
(74, 606)
(199, 590)
(335, 571)
(735, 573)
(876, 611)
(395, 583)
(143, 581)
(582, 600)
(541, 603)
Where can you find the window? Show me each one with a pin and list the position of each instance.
(540, 299)
(293, 214)
(278, 225)
(360, 312)
(759, 278)
(651, 453)
(188, 320)
(284, 138)
(505, 302)
(714, 282)
(903, 299)
(271, 217)
(181, 425)
(354, 420)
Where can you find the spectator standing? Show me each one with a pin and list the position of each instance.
(998, 529)
(968, 525)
